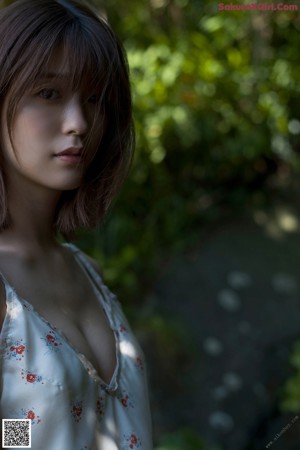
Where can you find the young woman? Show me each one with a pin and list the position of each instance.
(69, 361)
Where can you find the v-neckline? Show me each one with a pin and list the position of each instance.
(85, 362)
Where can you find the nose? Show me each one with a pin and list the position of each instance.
(74, 120)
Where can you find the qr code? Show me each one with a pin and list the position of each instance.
(16, 433)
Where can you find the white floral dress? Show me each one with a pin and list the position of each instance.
(45, 379)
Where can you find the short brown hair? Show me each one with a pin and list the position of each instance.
(31, 30)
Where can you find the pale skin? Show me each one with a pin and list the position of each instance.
(49, 120)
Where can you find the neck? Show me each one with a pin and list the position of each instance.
(31, 212)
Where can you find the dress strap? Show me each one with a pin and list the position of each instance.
(108, 300)
(85, 262)
(95, 277)
(7, 286)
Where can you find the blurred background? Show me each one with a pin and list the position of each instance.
(202, 247)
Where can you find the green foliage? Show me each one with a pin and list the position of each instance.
(216, 100)
(183, 439)
(290, 395)
(167, 336)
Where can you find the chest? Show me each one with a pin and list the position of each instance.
(69, 302)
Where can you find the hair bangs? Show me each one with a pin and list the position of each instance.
(89, 68)
(86, 70)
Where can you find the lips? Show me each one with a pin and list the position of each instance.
(71, 155)
(72, 151)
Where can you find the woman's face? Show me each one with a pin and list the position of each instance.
(49, 120)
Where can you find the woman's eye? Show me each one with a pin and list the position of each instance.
(48, 94)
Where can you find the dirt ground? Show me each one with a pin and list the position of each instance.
(236, 296)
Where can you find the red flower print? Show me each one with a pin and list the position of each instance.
(76, 411)
(20, 349)
(139, 363)
(132, 441)
(125, 398)
(17, 350)
(100, 406)
(52, 341)
(124, 401)
(122, 328)
(31, 378)
(30, 415)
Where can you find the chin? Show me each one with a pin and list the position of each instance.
(72, 187)
(69, 185)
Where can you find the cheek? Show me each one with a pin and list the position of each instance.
(32, 123)
(30, 134)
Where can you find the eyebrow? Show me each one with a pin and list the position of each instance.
(64, 77)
